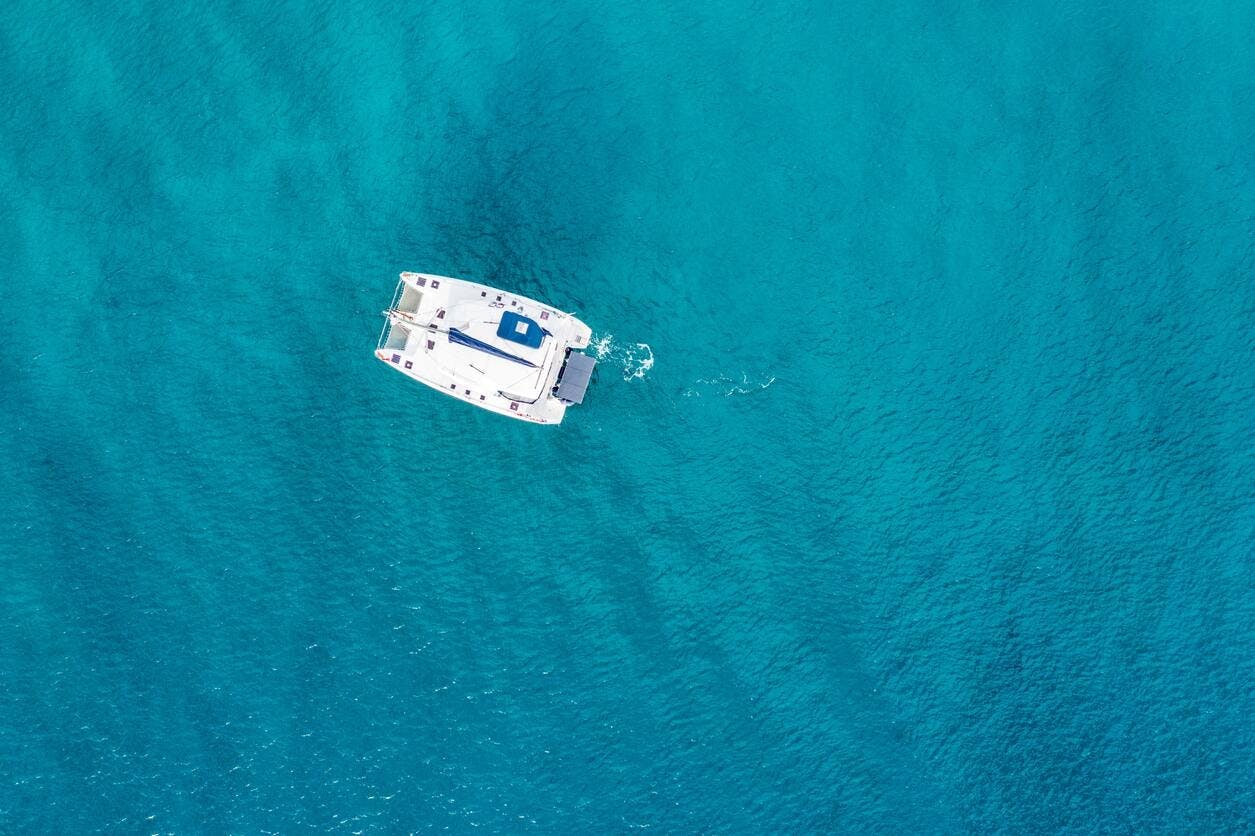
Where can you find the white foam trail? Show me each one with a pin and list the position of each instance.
(728, 386)
(643, 358)
(601, 346)
(634, 361)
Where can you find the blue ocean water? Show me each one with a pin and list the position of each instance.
(915, 492)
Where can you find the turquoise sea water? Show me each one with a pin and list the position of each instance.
(915, 492)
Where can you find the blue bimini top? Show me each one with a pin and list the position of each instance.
(519, 329)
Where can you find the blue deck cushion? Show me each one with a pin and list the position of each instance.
(519, 329)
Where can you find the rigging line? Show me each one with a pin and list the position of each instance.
(525, 377)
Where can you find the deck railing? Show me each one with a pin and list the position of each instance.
(387, 320)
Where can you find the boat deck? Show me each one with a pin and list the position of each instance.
(449, 334)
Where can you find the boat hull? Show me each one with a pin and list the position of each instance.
(496, 350)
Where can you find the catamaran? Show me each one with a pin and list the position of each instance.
(496, 350)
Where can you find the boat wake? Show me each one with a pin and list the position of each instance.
(727, 387)
(634, 360)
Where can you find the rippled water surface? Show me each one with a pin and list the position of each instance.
(915, 490)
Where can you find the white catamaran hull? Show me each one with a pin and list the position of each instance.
(496, 350)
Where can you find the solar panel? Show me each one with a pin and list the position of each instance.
(575, 375)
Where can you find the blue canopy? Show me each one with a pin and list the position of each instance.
(519, 329)
(456, 336)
